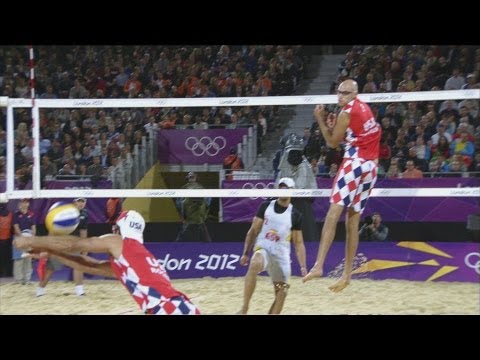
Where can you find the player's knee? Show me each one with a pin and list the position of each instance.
(281, 289)
(256, 265)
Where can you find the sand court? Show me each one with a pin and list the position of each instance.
(223, 296)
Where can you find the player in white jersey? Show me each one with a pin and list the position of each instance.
(275, 225)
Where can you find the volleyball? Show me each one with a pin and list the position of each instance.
(62, 218)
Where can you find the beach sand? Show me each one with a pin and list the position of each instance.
(223, 296)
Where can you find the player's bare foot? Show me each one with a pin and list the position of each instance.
(339, 285)
(314, 272)
(242, 311)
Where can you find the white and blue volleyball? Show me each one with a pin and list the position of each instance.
(62, 218)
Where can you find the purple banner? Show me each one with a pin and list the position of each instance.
(394, 209)
(414, 261)
(96, 206)
(197, 146)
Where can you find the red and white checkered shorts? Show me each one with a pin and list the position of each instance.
(353, 183)
(174, 306)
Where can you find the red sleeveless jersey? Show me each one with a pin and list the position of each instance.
(362, 139)
(143, 276)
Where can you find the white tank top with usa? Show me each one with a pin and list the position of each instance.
(277, 229)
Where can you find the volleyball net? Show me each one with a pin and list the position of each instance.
(156, 165)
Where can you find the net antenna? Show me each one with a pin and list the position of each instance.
(36, 125)
(36, 104)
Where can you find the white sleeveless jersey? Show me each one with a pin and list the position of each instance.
(277, 229)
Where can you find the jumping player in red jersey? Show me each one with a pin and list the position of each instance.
(131, 263)
(357, 174)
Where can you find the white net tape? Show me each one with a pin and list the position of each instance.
(241, 101)
(241, 193)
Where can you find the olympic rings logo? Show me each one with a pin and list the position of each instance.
(258, 186)
(471, 264)
(205, 145)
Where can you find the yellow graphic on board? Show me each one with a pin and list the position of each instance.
(378, 264)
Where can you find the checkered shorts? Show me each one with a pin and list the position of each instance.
(353, 183)
(174, 306)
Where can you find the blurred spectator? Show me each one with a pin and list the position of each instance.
(3, 142)
(454, 169)
(456, 81)
(23, 225)
(194, 212)
(113, 208)
(278, 155)
(373, 229)
(313, 145)
(6, 223)
(3, 165)
(388, 130)
(116, 173)
(86, 157)
(462, 146)
(186, 122)
(471, 82)
(441, 132)
(95, 171)
(45, 144)
(411, 172)
(132, 86)
(231, 163)
(476, 164)
(393, 169)
(262, 123)
(334, 156)
(48, 169)
(434, 167)
(78, 91)
(169, 122)
(105, 158)
(49, 94)
(442, 148)
(151, 127)
(306, 135)
(24, 175)
(199, 124)
(385, 152)
(322, 168)
(27, 151)
(420, 164)
(82, 171)
(332, 172)
(449, 108)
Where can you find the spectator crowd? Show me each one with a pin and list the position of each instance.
(441, 138)
(94, 143)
